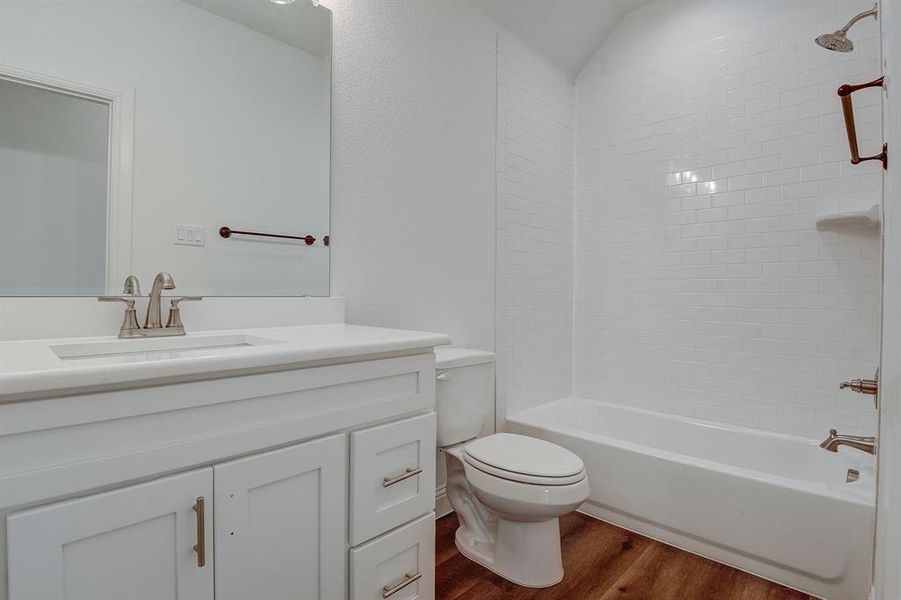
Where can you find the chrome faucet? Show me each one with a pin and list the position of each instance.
(162, 281)
(863, 443)
(153, 326)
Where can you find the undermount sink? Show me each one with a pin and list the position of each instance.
(141, 350)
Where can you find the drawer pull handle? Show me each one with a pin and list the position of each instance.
(200, 548)
(408, 472)
(408, 579)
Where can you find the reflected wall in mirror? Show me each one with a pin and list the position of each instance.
(131, 131)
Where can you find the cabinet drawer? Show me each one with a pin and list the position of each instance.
(392, 475)
(399, 565)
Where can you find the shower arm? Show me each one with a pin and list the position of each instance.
(873, 12)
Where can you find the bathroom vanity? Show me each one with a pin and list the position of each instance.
(262, 463)
(251, 463)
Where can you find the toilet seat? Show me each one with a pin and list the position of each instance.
(522, 477)
(524, 460)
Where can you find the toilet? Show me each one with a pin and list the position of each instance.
(508, 490)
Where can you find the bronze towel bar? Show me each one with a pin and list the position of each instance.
(844, 93)
(227, 232)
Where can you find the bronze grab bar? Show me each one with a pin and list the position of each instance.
(227, 232)
(844, 93)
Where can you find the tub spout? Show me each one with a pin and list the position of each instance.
(862, 443)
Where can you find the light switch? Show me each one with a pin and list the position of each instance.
(189, 235)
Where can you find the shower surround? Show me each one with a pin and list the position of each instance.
(709, 138)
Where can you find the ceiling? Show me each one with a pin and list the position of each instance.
(299, 24)
(566, 32)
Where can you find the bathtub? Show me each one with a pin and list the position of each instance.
(774, 505)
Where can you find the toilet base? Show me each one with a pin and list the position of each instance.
(526, 553)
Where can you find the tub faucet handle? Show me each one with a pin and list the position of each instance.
(861, 386)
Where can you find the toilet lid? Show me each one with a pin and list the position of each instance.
(513, 455)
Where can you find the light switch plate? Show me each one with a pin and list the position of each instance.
(189, 235)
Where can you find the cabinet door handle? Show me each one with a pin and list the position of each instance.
(200, 548)
(408, 579)
(408, 472)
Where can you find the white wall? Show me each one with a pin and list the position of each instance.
(535, 170)
(53, 180)
(222, 135)
(709, 137)
(413, 166)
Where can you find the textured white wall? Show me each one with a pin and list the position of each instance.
(709, 137)
(535, 169)
(413, 166)
(413, 187)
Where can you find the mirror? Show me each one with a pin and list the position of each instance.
(133, 131)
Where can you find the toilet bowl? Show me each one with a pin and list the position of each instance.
(508, 490)
(509, 513)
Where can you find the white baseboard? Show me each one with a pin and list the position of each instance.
(442, 505)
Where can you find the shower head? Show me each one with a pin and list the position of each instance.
(838, 41)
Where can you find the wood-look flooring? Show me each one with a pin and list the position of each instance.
(604, 562)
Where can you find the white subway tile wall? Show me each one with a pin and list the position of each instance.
(535, 162)
(709, 137)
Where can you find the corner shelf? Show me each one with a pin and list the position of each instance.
(857, 219)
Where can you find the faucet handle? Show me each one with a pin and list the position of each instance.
(861, 386)
(173, 302)
(129, 327)
(174, 321)
(130, 302)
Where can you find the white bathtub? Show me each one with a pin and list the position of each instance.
(775, 505)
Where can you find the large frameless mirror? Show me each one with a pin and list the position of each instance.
(188, 136)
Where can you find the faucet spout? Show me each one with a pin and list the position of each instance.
(162, 281)
(859, 442)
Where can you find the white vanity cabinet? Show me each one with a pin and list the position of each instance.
(136, 542)
(281, 523)
(284, 475)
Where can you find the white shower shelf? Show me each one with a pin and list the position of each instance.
(866, 218)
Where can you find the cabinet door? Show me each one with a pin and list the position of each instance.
(280, 523)
(137, 543)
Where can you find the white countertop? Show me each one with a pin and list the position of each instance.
(32, 369)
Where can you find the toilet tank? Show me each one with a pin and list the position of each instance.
(464, 393)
